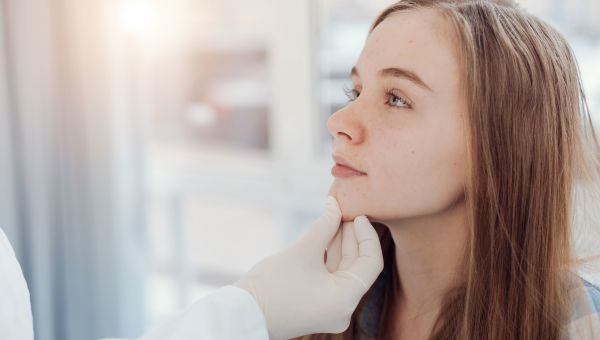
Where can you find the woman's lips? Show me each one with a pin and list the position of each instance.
(344, 171)
(343, 168)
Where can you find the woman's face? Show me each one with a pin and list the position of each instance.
(411, 141)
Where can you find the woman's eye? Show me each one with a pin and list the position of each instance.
(352, 94)
(392, 99)
(396, 101)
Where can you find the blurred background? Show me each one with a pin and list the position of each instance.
(152, 151)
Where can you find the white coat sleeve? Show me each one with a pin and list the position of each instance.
(227, 313)
(16, 321)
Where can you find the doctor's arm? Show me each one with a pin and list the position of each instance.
(292, 293)
(226, 313)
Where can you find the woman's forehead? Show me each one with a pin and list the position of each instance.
(425, 25)
(418, 40)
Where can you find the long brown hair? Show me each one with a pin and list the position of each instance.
(530, 139)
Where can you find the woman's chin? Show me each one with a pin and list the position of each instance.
(349, 206)
(348, 217)
(349, 211)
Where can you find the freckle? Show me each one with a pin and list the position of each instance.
(412, 152)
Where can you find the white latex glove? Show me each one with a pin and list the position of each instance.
(300, 294)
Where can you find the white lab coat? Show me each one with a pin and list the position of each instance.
(227, 313)
(15, 308)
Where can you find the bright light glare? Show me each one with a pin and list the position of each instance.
(138, 17)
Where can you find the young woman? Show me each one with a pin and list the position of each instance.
(467, 130)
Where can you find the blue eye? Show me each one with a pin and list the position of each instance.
(403, 103)
(394, 99)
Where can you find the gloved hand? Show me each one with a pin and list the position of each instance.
(300, 293)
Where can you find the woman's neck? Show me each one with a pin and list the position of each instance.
(429, 255)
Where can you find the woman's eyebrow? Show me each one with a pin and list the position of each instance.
(397, 72)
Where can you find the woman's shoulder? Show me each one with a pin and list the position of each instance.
(587, 298)
(585, 316)
(593, 292)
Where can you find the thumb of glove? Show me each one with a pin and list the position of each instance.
(322, 231)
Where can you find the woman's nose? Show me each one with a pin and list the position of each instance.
(343, 125)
